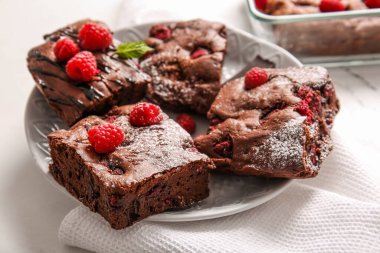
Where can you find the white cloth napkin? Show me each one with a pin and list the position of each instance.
(338, 211)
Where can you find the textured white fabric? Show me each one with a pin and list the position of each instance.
(338, 211)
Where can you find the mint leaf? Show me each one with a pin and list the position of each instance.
(134, 49)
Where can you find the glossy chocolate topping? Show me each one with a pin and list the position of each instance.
(145, 151)
(260, 132)
(178, 81)
(119, 81)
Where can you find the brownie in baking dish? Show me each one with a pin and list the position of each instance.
(186, 64)
(156, 168)
(266, 131)
(119, 81)
(326, 37)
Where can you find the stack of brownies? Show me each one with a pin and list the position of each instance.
(124, 158)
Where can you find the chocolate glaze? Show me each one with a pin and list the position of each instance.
(264, 134)
(325, 37)
(119, 81)
(155, 160)
(182, 83)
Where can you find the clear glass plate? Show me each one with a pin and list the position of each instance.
(228, 194)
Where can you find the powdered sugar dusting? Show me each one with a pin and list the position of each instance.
(153, 149)
(284, 146)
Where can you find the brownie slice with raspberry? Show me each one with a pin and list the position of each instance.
(156, 168)
(279, 129)
(119, 81)
(186, 64)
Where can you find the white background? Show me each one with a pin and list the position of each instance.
(30, 208)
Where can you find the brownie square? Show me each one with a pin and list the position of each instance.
(156, 168)
(179, 81)
(261, 132)
(119, 82)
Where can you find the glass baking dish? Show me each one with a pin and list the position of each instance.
(332, 39)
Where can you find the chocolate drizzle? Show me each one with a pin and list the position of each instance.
(36, 54)
(115, 84)
(46, 73)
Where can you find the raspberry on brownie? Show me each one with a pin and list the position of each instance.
(82, 67)
(278, 129)
(153, 169)
(186, 64)
(65, 49)
(82, 87)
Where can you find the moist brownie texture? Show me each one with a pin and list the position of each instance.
(180, 81)
(156, 168)
(327, 37)
(119, 81)
(264, 132)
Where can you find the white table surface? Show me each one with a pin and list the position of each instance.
(30, 208)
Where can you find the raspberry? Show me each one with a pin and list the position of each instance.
(198, 53)
(105, 138)
(94, 37)
(331, 6)
(145, 114)
(255, 77)
(186, 122)
(303, 109)
(224, 148)
(305, 92)
(372, 3)
(65, 49)
(161, 32)
(115, 201)
(82, 67)
(260, 4)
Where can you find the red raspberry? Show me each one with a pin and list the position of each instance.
(305, 92)
(65, 49)
(255, 77)
(161, 32)
(372, 3)
(331, 6)
(186, 122)
(198, 53)
(303, 109)
(94, 37)
(105, 138)
(260, 4)
(82, 67)
(145, 114)
(224, 148)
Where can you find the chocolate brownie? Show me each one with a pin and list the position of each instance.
(325, 37)
(186, 67)
(263, 131)
(119, 81)
(156, 168)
